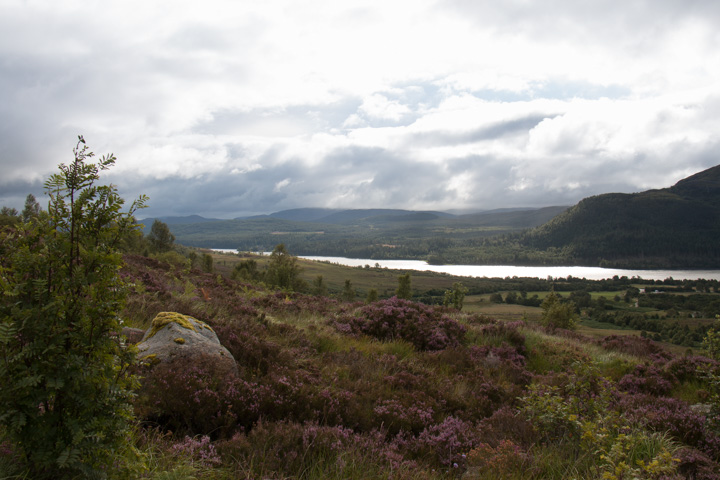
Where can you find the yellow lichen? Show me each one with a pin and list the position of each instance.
(150, 359)
(180, 340)
(163, 318)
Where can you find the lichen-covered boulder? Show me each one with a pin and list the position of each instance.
(176, 336)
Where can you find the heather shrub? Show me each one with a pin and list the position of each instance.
(500, 333)
(408, 413)
(287, 449)
(672, 416)
(444, 444)
(427, 328)
(200, 398)
(633, 345)
(696, 465)
(288, 394)
(507, 361)
(688, 368)
(647, 379)
(253, 353)
(198, 450)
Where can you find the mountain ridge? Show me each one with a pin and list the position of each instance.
(677, 226)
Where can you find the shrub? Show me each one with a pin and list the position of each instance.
(647, 379)
(499, 333)
(696, 465)
(632, 345)
(672, 416)
(197, 449)
(557, 314)
(423, 326)
(397, 415)
(201, 398)
(445, 444)
(65, 396)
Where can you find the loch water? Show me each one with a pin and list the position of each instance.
(503, 271)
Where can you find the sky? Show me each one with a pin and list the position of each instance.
(233, 108)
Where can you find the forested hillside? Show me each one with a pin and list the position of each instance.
(672, 227)
(360, 233)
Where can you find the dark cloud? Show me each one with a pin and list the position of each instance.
(496, 130)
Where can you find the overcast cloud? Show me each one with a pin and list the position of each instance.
(226, 108)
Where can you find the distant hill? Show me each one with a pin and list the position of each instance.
(675, 227)
(186, 220)
(304, 214)
(360, 233)
(354, 216)
(521, 218)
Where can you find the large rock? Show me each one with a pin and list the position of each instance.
(174, 336)
(133, 335)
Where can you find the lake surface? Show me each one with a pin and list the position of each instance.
(502, 271)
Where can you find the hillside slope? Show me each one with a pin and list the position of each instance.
(676, 227)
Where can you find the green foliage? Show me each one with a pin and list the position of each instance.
(671, 227)
(8, 216)
(32, 208)
(557, 314)
(581, 416)
(160, 237)
(207, 263)
(283, 270)
(711, 344)
(66, 389)
(455, 296)
(247, 270)
(319, 287)
(348, 293)
(404, 289)
(372, 296)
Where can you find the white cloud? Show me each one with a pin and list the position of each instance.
(277, 104)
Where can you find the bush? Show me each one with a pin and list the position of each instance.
(202, 398)
(647, 379)
(65, 396)
(445, 444)
(672, 416)
(423, 326)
